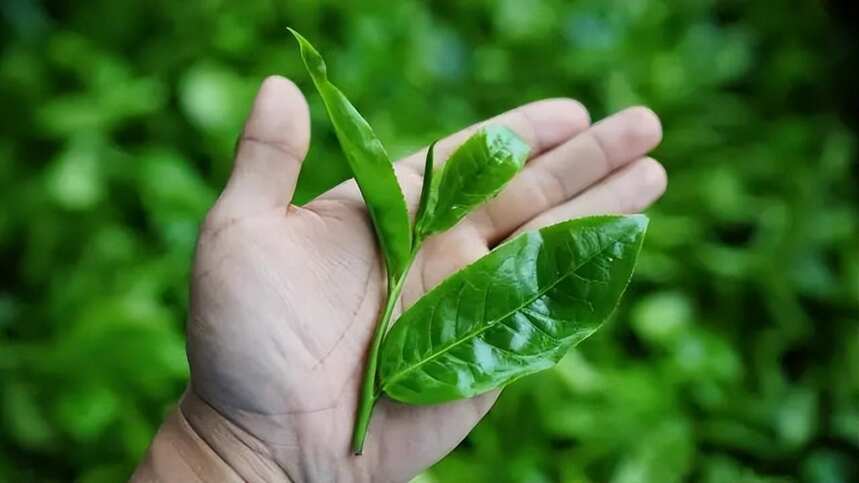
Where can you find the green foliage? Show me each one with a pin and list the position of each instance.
(369, 164)
(513, 312)
(429, 193)
(734, 358)
(474, 173)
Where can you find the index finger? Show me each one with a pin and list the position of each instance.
(542, 124)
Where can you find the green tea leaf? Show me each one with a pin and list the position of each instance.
(429, 193)
(369, 163)
(514, 312)
(474, 173)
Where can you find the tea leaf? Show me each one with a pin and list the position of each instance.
(514, 312)
(369, 163)
(429, 193)
(474, 173)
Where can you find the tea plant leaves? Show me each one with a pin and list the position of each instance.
(429, 193)
(474, 173)
(514, 312)
(369, 163)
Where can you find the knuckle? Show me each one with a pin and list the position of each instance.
(291, 150)
(602, 151)
(524, 126)
(552, 187)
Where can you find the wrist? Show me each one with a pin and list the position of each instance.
(196, 443)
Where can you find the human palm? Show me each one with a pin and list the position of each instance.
(285, 298)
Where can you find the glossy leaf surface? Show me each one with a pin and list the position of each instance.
(429, 193)
(368, 161)
(474, 173)
(514, 312)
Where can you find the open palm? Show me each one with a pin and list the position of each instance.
(285, 298)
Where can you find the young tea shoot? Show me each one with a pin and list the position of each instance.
(513, 312)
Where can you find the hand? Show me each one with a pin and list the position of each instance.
(284, 298)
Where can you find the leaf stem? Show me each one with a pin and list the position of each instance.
(369, 396)
(369, 393)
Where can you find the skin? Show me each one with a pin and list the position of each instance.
(284, 298)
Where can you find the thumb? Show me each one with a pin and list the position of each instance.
(272, 146)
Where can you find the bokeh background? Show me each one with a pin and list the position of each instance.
(734, 358)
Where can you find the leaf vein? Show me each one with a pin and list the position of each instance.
(474, 333)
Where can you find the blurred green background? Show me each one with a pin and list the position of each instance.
(735, 358)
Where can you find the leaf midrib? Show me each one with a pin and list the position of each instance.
(489, 325)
